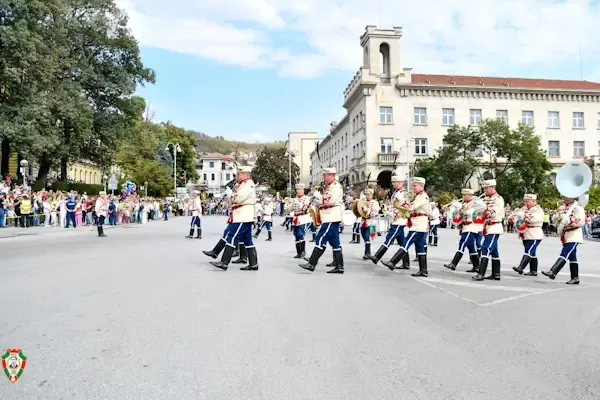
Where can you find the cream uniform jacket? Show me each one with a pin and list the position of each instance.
(258, 209)
(434, 217)
(419, 209)
(196, 207)
(534, 218)
(494, 215)
(572, 232)
(467, 223)
(332, 203)
(402, 196)
(372, 211)
(243, 200)
(299, 208)
(267, 210)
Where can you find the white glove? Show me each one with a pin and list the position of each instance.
(364, 208)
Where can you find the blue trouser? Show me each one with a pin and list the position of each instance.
(71, 218)
(433, 234)
(569, 252)
(267, 225)
(396, 232)
(312, 228)
(329, 232)
(1, 217)
(531, 247)
(239, 232)
(299, 231)
(365, 232)
(356, 228)
(479, 240)
(112, 218)
(195, 222)
(489, 248)
(419, 239)
(166, 215)
(467, 241)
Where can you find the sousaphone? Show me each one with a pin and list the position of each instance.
(573, 180)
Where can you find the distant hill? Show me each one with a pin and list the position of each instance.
(218, 144)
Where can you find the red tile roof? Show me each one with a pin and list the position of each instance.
(483, 81)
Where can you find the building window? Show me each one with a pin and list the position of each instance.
(553, 120)
(212, 177)
(599, 120)
(222, 166)
(474, 117)
(578, 120)
(386, 145)
(421, 146)
(385, 115)
(227, 177)
(211, 164)
(420, 116)
(553, 148)
(527, 118)
(578, 148)
(502, 115)
(205, 178)
(447, 116)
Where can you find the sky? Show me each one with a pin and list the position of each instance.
(255, 70)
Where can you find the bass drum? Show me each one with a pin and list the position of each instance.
(348, 218)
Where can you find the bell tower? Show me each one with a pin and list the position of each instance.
(381, 51)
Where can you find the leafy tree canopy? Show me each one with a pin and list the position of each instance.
(272, 168)
(491, 150)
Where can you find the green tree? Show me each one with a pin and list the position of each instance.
(186, 159)
(137, 159)
(272, 168)
(513, 157)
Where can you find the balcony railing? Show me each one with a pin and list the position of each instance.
(387, 158)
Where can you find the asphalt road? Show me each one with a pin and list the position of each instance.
(141, 314)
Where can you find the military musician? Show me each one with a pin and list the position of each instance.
(434, 222)
(396, 231)
(469, 221)
(356, 225)
(267, 218)
(330, 211)
(572, 217)
(370, 210)
(301, 220)
(243, 200)
(418, 225)
(258, 215)
(196, 209)
(492, 229)
(531, 233)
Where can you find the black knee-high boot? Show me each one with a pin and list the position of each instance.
(225, 259)
(380, 253)
(422, 266)
(313, 260)
(524, 261)
(214, 253)
(191, 235)
(533, 267)
(243, 255)
(495, 275)
(252, 260)
(454, 261)
(558, 265)
(483, 263)
(574, 266)
(198, 233)
(367, 255)
(338, 260)
(395, 259)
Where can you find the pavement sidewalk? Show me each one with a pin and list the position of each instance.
(6, 233)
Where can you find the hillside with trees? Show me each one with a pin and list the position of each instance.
(218, 144)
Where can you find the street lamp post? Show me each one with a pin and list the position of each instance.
(176, 149)
(146, 188)
(24, 165)
(104, 180)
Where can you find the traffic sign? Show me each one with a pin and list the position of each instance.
(112, 183)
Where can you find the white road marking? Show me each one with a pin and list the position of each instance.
(519, 296)
(484, 285)
(423, 281)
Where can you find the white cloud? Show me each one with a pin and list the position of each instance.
(462, 36)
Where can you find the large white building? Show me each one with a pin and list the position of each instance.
(300, 145)
(395, 116)
(215, 171)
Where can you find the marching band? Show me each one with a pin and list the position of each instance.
(479, 222)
